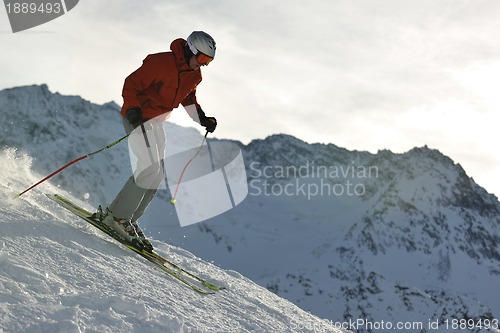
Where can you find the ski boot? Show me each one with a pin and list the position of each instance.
(99, 215)
(123, 228)
(147, 246)
(128, 230)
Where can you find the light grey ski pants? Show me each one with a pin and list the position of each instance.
(147, 143)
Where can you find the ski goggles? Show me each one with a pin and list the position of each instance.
(203, 59)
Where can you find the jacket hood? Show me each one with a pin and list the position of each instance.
(177, 48)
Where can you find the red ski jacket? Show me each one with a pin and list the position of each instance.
(164, 81)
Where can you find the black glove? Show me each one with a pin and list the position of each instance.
(134, 117)
(210, 123)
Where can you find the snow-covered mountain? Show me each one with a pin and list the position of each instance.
(347, 235)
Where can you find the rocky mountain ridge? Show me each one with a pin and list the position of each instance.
(344, 234)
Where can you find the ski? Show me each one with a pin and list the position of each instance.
(182, 275)
(181, 270)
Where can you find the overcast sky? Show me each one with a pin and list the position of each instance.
(364, 75)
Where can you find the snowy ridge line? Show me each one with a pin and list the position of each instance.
(411, 248)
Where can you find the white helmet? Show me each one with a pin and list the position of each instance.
(200, 41)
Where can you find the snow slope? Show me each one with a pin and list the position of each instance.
(58, 274)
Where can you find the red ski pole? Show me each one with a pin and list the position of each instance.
(185, 167)
(70, 163)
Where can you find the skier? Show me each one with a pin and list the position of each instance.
(150, 93)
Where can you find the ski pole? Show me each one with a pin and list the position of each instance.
(70, 163)
(185, 167)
